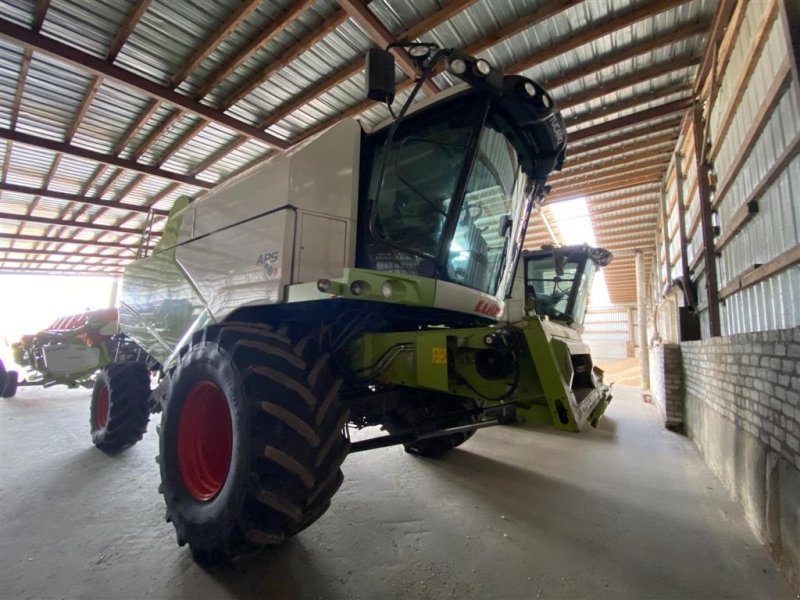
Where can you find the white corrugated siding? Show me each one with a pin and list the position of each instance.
(606, 332)
(775, 302)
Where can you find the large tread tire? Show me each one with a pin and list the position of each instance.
(118, 414)
(10, 384)
(422, 406)
(287, 447)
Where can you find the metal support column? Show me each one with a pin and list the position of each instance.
(641, 308)
(709, 252)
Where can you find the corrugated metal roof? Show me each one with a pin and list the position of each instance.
(170, 32)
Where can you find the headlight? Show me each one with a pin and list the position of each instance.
(357, 287)
(530, 89)
(458, 66)
(386, 289)
(483, 67)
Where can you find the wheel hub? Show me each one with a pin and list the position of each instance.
(205, 441)
(101, 408)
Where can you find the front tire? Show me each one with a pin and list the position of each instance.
(10, 386)
(251, 440)
(118, 413)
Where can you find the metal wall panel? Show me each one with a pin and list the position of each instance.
(606, 331)
(772, 303)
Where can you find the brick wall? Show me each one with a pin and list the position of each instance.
(753, 381)
(742, 409)
(666, 384)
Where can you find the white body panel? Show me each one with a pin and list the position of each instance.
(322, 247)
(451, 296)
(515, 306)
(65, 359)
(243, 265)
(291, 220)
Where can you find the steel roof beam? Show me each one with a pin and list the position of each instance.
(236, 18)
(667, 141)
(635, 132)
(539, 57)
(79, 198)
(622, 208)
(634, 78)
(433, 20)
(73, 272)
(40, 13)
(360, 13)
(616, 107)
(46, 253)
(269, 32)
(593, 32)
(57, 240)
(24, 261)
(79, 224)
(547, 9)
(593, 169)
(650, 168)
(716, 33)
(609, 187)
(264, 37)
(132, 165)
(623, 54)
(156, 132)
(87, 62)
(129, 134)
(636, 118)
(128, 25)
(256, 79)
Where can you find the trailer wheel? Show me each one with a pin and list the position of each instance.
(8, 382)
(10, 385)
(251, 440)
(420, 409)
(118, 413)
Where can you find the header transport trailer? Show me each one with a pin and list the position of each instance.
(364, 279)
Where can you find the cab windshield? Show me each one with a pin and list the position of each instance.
(452, 189)
(559, 283)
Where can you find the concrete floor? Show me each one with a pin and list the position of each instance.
(627, 511)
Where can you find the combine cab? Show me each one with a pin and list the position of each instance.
(363, 279)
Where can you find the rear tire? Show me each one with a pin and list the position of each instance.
(420, 408)
(119, 415)
(251, 440)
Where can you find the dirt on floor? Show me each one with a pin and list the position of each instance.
(621, 372)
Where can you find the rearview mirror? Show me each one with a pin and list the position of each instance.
(380, 75)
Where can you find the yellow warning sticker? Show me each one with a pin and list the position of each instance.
(439, 356)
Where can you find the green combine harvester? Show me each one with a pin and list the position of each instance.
(365, 279)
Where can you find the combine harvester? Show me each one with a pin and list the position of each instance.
(69, 351)
(364, 279)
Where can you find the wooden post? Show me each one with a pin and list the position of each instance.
(641, 308)
(682, 219)
(790, 17)
(665, 240)
(709, 252)
(630, 346)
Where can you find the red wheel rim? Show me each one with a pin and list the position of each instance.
(205, 441)
(101, 407)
